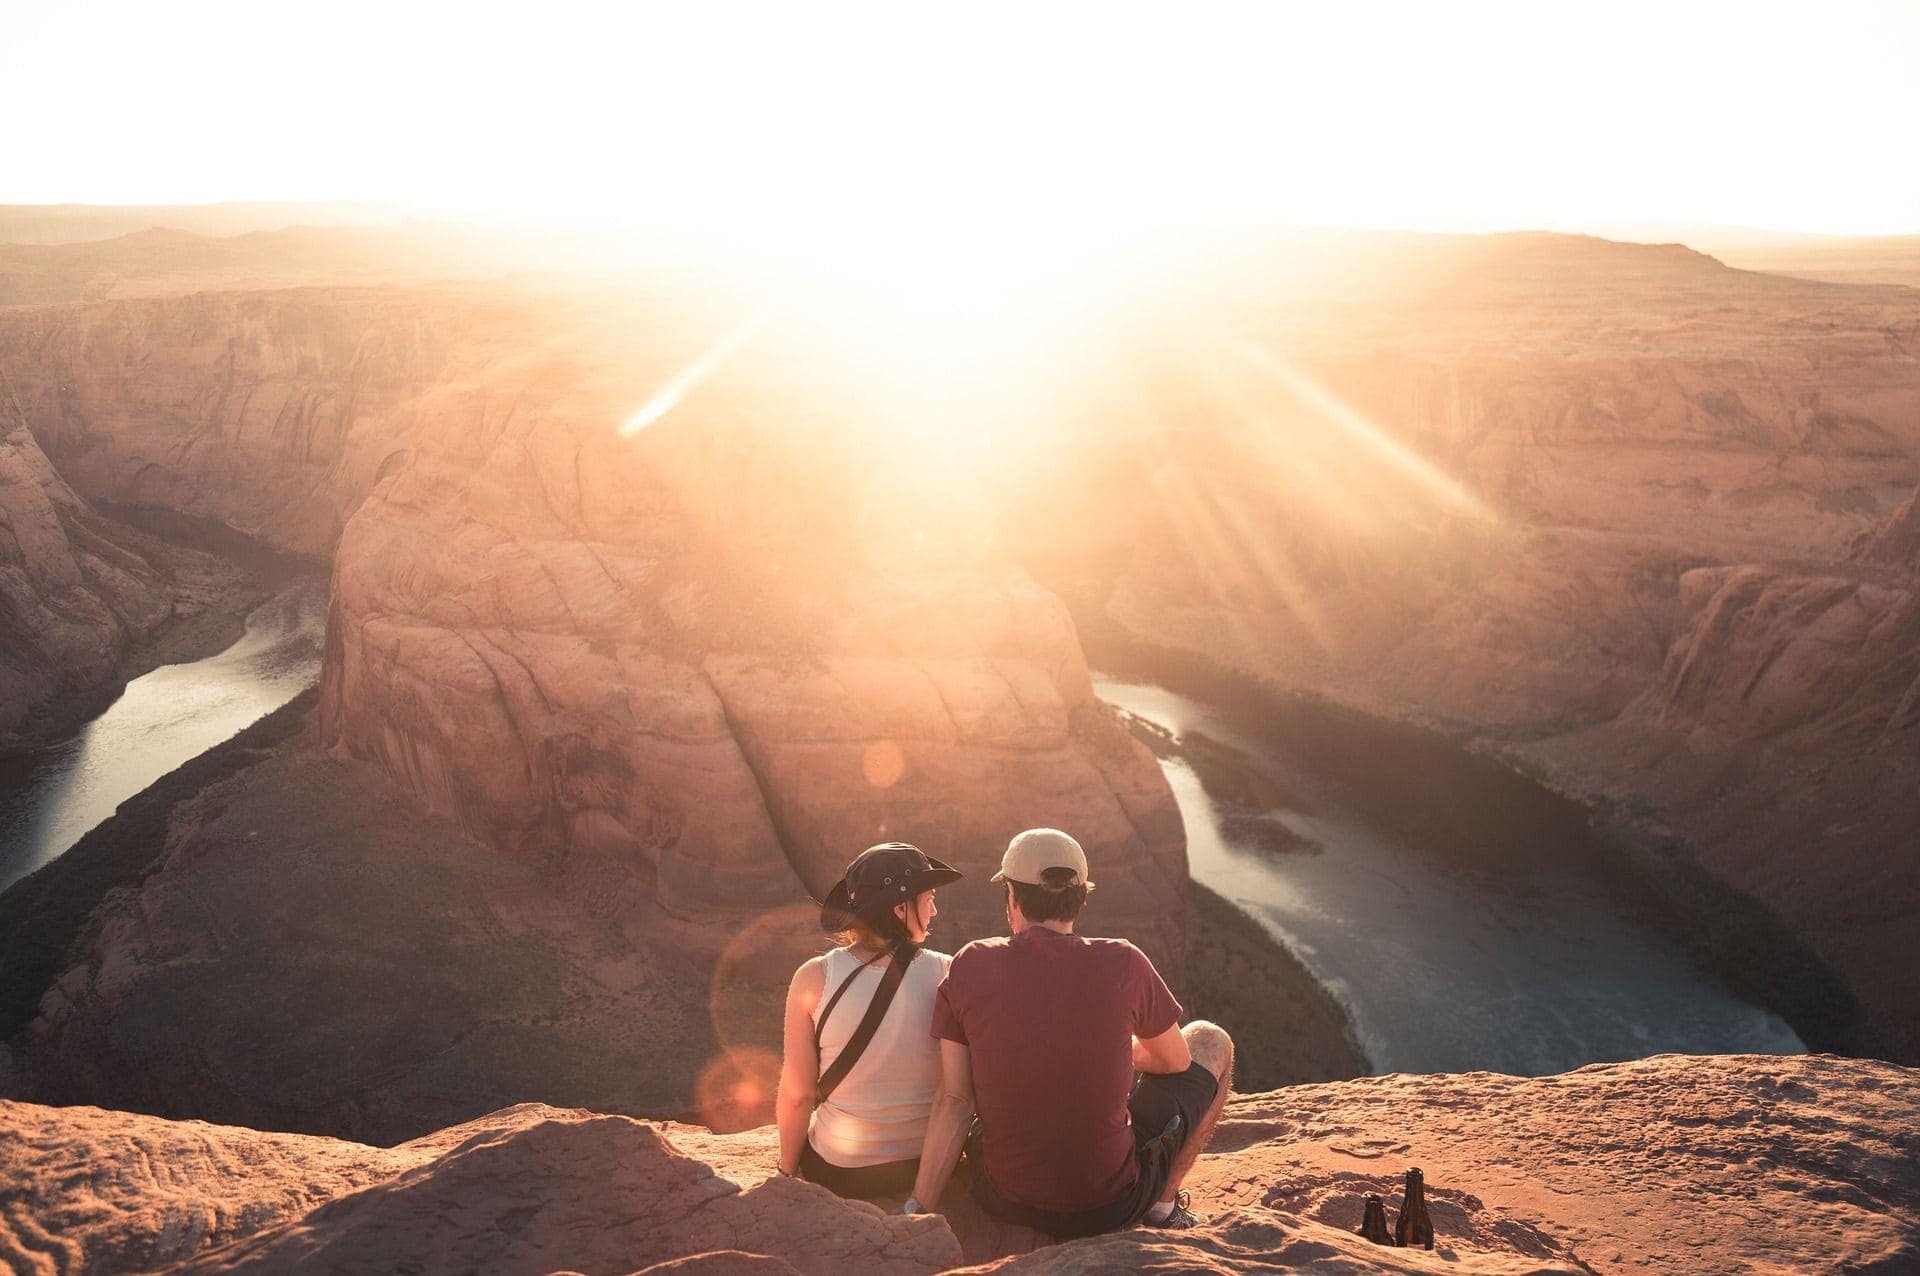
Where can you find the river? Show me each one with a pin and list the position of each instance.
(50, 797)
(1464, 917)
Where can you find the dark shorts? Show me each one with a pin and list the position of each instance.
(1165, 1110)
(862, 1182)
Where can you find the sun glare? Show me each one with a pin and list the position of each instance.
(955, 336)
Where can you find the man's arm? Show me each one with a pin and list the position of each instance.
(1166, 1053)
(799, 1063)
(947, 1129)
(1158, 1045)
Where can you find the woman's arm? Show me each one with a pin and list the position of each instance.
(799, 1063)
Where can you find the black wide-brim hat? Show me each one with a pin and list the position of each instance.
(880, 877)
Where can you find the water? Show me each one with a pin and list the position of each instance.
(1465, 920)
(50, 797)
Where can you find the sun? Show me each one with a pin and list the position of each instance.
(956, 333)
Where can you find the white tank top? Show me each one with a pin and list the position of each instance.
(879, 1111)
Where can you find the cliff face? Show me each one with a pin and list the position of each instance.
(637, 694)
(73, 597)
(707, 648)
(1668, 1164)
(271, 413)
(1527, 493)
(730, 649)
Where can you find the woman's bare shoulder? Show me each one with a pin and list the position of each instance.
(811, 977)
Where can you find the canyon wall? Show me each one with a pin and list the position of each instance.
(637, 693)
(681, 633)
(733, 647)
(74, 592)
(1628, 517)
(273, 413)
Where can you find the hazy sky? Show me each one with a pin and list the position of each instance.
(1797, 116)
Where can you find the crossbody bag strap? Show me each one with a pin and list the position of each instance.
(820, 1024)
(869, 1023)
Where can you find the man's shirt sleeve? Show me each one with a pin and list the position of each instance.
(1154, 1007)
(946, 1020)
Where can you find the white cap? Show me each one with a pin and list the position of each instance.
(1035, 851)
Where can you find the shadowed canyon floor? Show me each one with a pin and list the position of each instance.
(1667, 1164)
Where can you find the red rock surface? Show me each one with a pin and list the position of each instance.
(305, 954)
(712, 658)
(1474, 483)
(732, 648)
(73, 595)
(271, 413)
(1667, 1164)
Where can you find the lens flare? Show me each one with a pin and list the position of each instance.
(736, 1090)
(883, 764)
(749, 983)
(684, 382)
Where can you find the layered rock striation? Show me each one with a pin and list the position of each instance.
(74, 594)
(1672, 1163)
(273, 413)
(624, 699)
(1629, 518)
(730, 648)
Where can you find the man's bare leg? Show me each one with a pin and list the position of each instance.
(1212, 1049)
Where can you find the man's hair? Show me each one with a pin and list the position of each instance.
(1058, 898)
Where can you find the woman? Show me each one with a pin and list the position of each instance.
(852, 1116)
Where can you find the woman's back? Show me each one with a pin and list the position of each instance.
(879, 1111)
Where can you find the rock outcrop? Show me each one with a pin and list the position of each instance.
(729, 649)
(73, 595)
(1895, 542)
(732, 648)
(1668, 1164)
(303, 954)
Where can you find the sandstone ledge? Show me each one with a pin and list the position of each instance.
(1666, 1164)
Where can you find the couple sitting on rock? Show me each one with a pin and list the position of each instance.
(892, 1049)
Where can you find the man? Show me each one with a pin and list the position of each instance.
(1042, 1033)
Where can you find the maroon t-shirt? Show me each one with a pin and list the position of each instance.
(1048, 1021)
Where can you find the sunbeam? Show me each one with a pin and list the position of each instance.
(1437, 483)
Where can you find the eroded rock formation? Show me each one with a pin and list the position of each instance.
(729, 649)
(273, 413)
(1667, 1164)
(1622, 514)
(73, 596)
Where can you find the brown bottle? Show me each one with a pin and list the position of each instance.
(1413, 1227)
(1374, 1226)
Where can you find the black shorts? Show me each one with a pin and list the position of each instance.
(1165, 1110)
(861, 1182)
